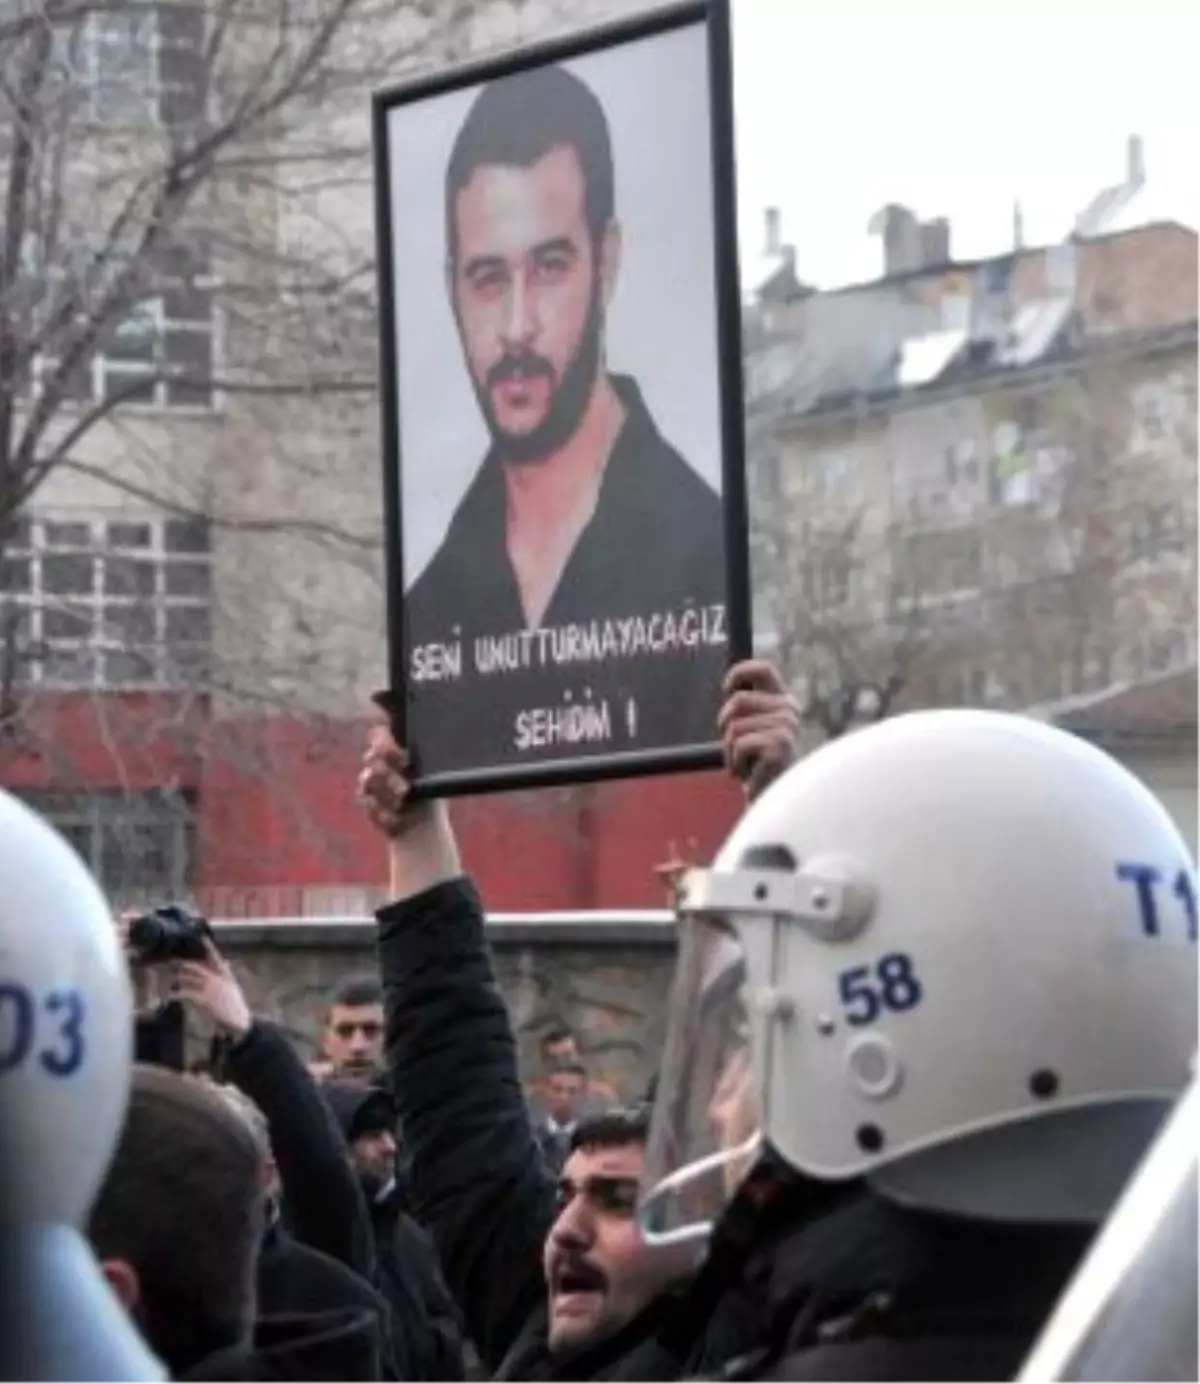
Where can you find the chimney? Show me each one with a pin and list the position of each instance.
(774, 235)
(903, 250)
(935, 243)
(1018, 227)
(1135, 162)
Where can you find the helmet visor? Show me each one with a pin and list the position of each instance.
(705, 1126)
(1130, 1311)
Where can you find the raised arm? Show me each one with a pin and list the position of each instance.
(479, 1183)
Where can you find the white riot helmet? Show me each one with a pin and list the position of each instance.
(66, 1039)
(953, 954)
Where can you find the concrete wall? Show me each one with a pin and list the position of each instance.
(606, 976)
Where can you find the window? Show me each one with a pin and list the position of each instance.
(126, 64)
(114, 52)
(832, 472)
(129, 535)
(833, 574)
(826, 577)
(1154, 530)
(117, 605)
(948, 563)
(1163, 650)
(161, 351)
(182, 77)
(1010, 470)
(960, 463)
(139, 845)
(1151, 414)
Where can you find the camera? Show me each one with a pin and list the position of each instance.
(172, 932)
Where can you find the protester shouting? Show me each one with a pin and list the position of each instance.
(555, 1280)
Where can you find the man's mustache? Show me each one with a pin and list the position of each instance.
(519, 365)
(575, 1274)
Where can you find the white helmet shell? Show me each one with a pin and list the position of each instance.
(66, 1026)
(953, 923)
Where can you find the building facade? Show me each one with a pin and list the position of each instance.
(971, 481)
(192, 586)
(976, 483)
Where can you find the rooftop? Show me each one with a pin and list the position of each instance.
(1161, 709)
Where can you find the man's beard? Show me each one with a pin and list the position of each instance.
(375, 1181)
(567, 401)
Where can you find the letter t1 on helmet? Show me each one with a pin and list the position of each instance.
(953, 953)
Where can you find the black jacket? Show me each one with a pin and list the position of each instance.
(798, 1276)
(638, 617)
(553, 1144)
(323, 1205)
(407, 1269)
(479, 1182)
(316, 1346)
(298, 1282)
(320, 1256)
(851, 1286)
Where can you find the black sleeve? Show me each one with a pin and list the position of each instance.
(323, 1203)
(416, 1260)
(479, 1183)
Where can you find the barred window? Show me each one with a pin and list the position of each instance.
(108, 604)
(140, 846)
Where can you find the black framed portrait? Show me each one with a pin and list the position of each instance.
(562, 407)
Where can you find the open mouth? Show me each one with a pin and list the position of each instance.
(576, 1283)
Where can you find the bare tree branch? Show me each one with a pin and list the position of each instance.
(1035, 592)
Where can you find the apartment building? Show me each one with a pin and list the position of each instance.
(976, 482)
(192, 592)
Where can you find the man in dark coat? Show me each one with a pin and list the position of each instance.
(532, 575)
(318, 1251)
(178, 1229)
(552, 1274)
(407, 1270)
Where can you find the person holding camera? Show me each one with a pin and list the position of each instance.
(316, 1260)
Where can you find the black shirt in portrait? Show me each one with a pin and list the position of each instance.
(632, 647)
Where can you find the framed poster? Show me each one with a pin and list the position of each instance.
(562, 407)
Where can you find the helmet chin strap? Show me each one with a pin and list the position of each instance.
(654, 1202)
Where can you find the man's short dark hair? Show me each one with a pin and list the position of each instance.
(357, 991)
(182, 1204)
(555, 1036)
(516, 121)
(614, 1129)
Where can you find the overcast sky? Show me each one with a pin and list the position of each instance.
(955, 108)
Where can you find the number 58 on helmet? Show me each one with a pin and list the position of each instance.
(953, 954)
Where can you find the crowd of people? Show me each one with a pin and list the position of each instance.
(917, 1043)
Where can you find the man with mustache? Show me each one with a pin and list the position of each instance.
(554, 1277)
(581, 510)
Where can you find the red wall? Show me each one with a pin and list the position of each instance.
(79, 742)
(276, 806)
